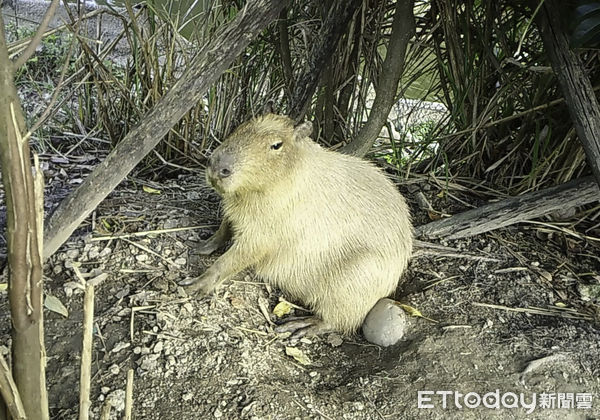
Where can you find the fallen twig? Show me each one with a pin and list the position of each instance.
(553, 311)
(10, 393)
(148, 233)
(129, 396)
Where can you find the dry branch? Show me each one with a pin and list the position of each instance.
(403, 29)
(24, 210)
(204, 70)
(129, 396)
(320, 54)
(573, 80)
(85, 376)
(9, 391)
(513, 210)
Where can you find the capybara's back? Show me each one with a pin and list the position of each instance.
(330, 230)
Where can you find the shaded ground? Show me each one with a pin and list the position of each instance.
(217, 357)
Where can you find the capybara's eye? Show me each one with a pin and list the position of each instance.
(277, 146)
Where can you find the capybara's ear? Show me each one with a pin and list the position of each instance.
(301, 131)
(268, 108)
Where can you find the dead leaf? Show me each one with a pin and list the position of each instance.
(433, 215)
(53, 304)
(151, 190)
(282, 309)
(298, 354)
(237, 302)
(414, 312)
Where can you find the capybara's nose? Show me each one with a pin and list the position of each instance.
(221, 165)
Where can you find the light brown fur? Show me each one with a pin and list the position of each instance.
(328, 229)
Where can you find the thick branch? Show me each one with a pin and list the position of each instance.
(24, 213)
(573, 80)
(320, 55)
(513, 210)
(39, 34)
(403, 29)
(204, 70)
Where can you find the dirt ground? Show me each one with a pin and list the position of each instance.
(217, 356)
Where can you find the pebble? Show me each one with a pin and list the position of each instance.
(117, 399)
(72, 253)
(114, 369)
(149, 362)
(120, 346)
(385, 324)
(94, 253)
(158, 348)
(106, 252)
(335, 340)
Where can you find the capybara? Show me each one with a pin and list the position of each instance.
(328, 229)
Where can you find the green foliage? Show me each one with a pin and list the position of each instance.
(586, 24)
(46, 64)
(483, 60)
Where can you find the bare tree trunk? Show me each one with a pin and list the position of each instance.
(513, 210)
(573, 80)
(204, 70)
(320, 55)
(24, 216)
(403, 29)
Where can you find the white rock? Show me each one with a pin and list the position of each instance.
(385, 324)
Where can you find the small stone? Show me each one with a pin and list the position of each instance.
(93, 253)
(385, 324)
(158, 348)
(161, 284)
(105, 390)
(137, 350)
(180, 261)
(57, 269)
(106, 252)
(149, 362)
(218, 414)
(335, 340)
(120, 346)
(181, 292)
(117, 399)
(187, 396)
(142, 257)
(589, 292)
(72, 253)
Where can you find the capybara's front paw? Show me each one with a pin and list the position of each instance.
(204, 284)
(301, 327)
(208, 247)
